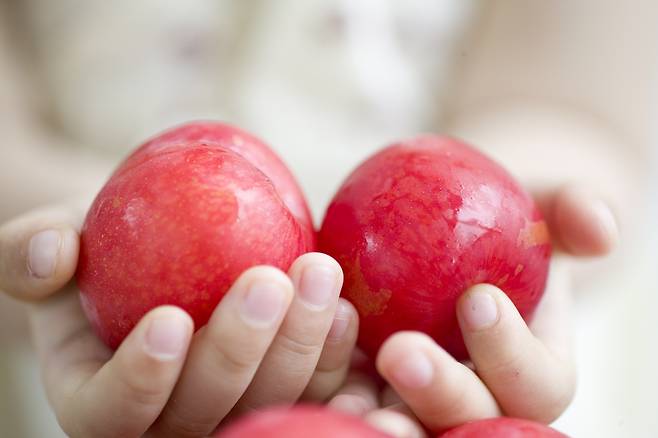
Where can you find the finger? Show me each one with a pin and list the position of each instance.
(68, 350)
(136, 383)
(439, 390)
(39, 252)
(120, 397)
(334, 362)
(357, 396)
(289, 364)
(398, 422)
(582, 224)
(552, 321)
(527, 379)
(226, 353)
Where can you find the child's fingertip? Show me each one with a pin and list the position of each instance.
(585, 223)
(607, 223)
(168, 333)
(43, 252)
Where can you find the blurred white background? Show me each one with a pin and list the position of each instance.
(558, 91)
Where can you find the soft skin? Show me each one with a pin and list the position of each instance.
(163, 380)
(87, 386)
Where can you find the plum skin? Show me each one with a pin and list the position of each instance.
(179, 224)
(418, 223)
(254, 150)
(301, 421)
(503, 427)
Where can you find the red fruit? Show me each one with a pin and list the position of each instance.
(180, 219)
(300, 422)
(215, 134)
(420, 222)
(503, 427)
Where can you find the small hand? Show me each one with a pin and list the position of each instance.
(274, 338)
(516, 370)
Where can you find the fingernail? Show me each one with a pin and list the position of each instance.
(480, 310)
(166, 336)
(607, 221)
(414, 371)
(42, 253)
(262, 304)
(317, 286)
(341, 322)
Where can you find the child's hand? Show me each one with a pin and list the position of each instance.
(273, 339)
(516, 371)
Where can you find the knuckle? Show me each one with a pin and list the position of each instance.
(177, 424)
(143, 383)
(506, 366)
(232, 359)
(451, 401)
(142, 392)
(300, 347)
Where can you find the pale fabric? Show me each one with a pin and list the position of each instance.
(323, 82)
(540, 85)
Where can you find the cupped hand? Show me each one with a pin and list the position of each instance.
(515, 370)
(274, 338)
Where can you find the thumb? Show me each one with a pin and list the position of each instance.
(581, 223)
(39, 252)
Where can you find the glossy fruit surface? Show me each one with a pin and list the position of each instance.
(503, 427)
(300, 422)
(420, 222)
(216, 134)
(180, 220)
